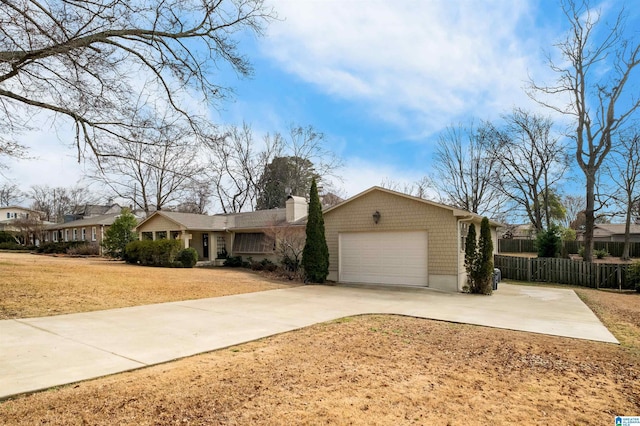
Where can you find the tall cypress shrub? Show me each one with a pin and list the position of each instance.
(315, 255)
(470, 247)
(485, 259)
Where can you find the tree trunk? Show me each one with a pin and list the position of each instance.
(589, 214)
(627, 230)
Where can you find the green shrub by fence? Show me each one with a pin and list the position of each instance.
(614, 248)
(563, 271)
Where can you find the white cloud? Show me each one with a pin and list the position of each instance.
(416, 64)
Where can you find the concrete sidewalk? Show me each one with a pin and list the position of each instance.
(39, 353)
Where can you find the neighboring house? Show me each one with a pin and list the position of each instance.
(384, 237)
(24, 223)
(91, 229)
(251, 234)
(92, 210)
(613, 232)
(9, 214)
(519, 232)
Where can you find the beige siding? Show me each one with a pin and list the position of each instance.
(397, 214)
(158, 223)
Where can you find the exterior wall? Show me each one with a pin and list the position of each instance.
(399, 214)
(158, 223)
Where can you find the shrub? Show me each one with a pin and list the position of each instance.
(11, 246)
(87, 249)
(633, 276)
(548, 243)
(601, 254)
(61, 247)
(233, 262)
(6, 237)
(152, 253)
(263, 265)
(120, 234)
(187, 257)
(478, 259)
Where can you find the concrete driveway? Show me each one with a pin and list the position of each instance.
(39, 353)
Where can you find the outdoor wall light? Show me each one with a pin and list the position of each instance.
(376, 217)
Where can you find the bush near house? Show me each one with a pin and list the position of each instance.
(61, 247)
(315, 256)
(549, 242)
(153, 252)
(187, 257)
(478, 259)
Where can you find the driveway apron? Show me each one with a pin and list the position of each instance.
(38, 353)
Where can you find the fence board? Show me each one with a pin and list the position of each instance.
(614, 248)
(562, 271)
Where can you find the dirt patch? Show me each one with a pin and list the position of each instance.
(372, 370)
(35, 285)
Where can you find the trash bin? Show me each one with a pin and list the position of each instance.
(497, 276)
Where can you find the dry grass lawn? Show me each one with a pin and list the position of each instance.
(369, 370)
(34, 285)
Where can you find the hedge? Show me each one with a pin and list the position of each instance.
(165, 253)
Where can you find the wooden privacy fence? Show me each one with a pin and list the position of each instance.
(563, 271)
(614, 248)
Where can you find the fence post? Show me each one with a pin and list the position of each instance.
(619, 276)
(529, 269)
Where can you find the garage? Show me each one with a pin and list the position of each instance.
(397, 258)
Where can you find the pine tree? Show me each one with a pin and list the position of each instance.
(315, 256)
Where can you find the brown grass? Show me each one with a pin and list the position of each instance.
(372, 370)
(34, 285)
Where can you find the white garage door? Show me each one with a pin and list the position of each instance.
(383, 258)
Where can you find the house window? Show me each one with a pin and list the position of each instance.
(147, 235)
(84, 234)
(8, 215)
(93, 233)
(221, 247)
(161, 235)
(54, 236)
(66, 235)
(175, 235)
(75, 234)
(253, 242)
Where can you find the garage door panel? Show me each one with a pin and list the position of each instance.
(384, 258)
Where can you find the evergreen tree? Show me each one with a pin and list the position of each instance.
(484, 258)
(549, 242)
(470, 247)
(315, 256)
(120, 234)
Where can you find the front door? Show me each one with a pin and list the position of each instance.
(205, 246)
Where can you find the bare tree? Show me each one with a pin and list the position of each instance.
(10, 194)
(235, 164)
(573, 204)
(532, 162)
(623, 168)
(593, 76)
(154, 167)
(55, 203)
(87, 62)
(464, 171)
(423, 188)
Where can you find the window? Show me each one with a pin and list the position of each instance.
(75, 234)
(66, 235)
(147, 235)
(175, 235)
(161, 235)
(55, 236)
(84, 234)
(254, 242)
(93, 233)
(8, 215)
(221, 247)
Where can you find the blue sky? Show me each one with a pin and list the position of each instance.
(380, 78)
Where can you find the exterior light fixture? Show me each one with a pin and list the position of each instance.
(376, 217)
